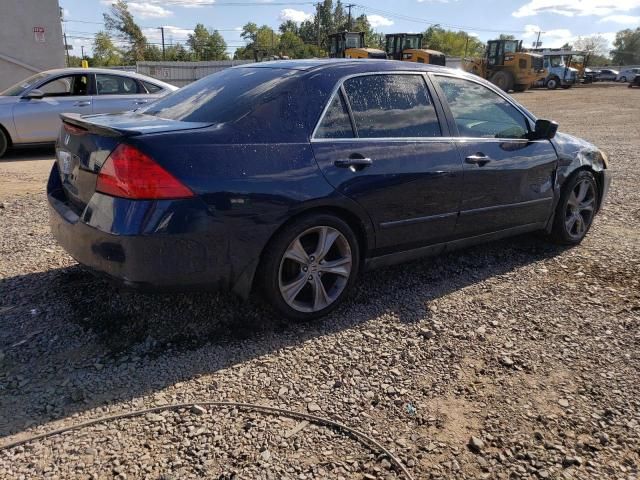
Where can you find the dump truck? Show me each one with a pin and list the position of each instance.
(507, 65)
(351, 45)
(557, 63)
(408, 48)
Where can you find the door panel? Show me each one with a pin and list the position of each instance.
(117, 93)
(411, 190)
(39, 120)
(508, 179)
(515, 186)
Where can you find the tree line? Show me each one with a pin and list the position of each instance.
(307, 39)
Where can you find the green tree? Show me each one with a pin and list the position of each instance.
(452, 43)
(595, 44)
(506, 37)
(153, 53)
(262, 42)
(177, 53)
(626, 47)
(105, 53)
(119, 21)
(216, 47)
(289, 26)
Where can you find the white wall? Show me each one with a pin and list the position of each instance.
(20, 54)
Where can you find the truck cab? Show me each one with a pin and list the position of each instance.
(559, 72)
(407, 47)
(352, 45)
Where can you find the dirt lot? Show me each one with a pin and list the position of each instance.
(530, 348)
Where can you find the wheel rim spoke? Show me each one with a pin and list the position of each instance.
(583, 190)
(573, 200)
(340, 267)
(586, 206)
(326, 239)
(291, 290)
(571, 223)
(320, 297)
(297, 253)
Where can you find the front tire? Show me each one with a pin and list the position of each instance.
(623, 79)
(503, 80)
(576, 209)
(4, 143)
(552, 83)
(310, 266)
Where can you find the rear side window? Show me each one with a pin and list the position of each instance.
(115, 85)
(151, 88)
(336, 122)
(392, 106)
(481, 113)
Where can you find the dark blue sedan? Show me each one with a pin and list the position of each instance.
(291, 177)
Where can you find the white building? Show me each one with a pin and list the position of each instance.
(30, 39)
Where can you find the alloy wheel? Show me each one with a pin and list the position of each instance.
(580, 209)
(315, 269)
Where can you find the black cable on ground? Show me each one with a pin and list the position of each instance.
(356, 434)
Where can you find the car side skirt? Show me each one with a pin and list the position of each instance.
(431, 250)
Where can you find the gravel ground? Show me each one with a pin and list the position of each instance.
(516, 359)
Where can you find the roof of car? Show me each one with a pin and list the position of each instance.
(367, 64)
(111, 71)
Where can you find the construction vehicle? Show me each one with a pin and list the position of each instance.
(507, 65)
(557, 62)
(351, 45)
(408, 48)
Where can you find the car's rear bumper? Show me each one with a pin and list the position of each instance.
(181, 258)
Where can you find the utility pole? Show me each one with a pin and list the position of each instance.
(162, 31)
(66, 49)
(349, 7)
(466, 46)
(82, 50)
(538, 40)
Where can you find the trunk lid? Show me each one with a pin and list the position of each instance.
(85, 143)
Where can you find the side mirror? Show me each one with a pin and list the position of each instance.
(34, 94)
(545, 130)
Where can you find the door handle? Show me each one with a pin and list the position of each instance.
(82, 103)
(354, 163)
(479, 159)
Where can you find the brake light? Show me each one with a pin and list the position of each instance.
(130, 173)
(74, 130)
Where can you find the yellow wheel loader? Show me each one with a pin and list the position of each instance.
(408, 48)
(508, 66)
(351, 45)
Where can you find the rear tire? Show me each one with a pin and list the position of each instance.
(310, 266)
(4, 143)
(503, 80)
(576, 209)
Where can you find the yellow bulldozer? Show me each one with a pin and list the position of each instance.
(408, 48)
(351, 45)
(507, 65)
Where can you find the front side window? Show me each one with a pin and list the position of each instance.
(71, 85)
(481, 113)
(392, 106)
(115, 85)
(336, 122)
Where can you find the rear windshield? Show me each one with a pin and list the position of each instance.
(225, 96)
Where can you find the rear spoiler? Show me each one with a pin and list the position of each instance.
(87, 125)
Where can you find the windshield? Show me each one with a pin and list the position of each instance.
(20, 87)
(223, 97)
(412, 42)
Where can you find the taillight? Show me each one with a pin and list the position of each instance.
(129, 173)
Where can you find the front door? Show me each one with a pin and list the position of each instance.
(508, 179)
(38, 120)
(381, 143)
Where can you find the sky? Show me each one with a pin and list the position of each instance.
(560, 21)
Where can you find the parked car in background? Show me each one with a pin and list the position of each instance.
(30, 110)
(635, 83)
(290, 177)
(607, 75)
(627, 75)
(590, 75)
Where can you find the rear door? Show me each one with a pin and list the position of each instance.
(381, 143)
(38, 120)
(508, 179)
(118, 93)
